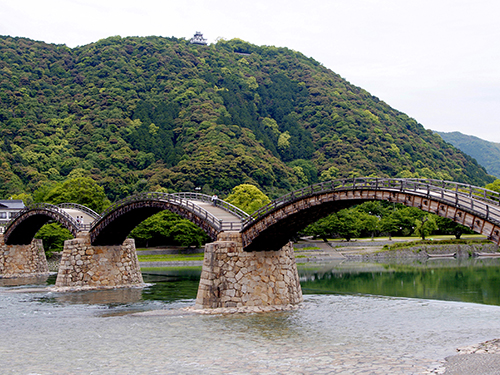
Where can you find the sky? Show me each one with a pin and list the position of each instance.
(438, 61)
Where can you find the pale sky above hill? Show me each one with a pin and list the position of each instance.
(436, 60)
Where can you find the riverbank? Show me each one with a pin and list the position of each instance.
(380, 249)
(319, 251)
(483, 358)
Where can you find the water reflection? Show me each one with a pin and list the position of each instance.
(99, 297)
(470, 280)
(171, 284)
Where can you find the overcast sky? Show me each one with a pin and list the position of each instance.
(436, 60)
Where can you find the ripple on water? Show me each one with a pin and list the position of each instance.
(65, 333)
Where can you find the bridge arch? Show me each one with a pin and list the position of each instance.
(22, 229)
(115, 223)
(270, 227)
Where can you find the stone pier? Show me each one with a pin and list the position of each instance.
(232, 277)
(84, 266)
(23, 260)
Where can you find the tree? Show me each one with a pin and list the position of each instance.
(404, 219)
(185, 233)
(388, 224)
(248, 198)
(368, 223)
(53, 236)
(26, 198)
(448, 226)
(322, 228)
(347, 224)
(495, 186)
(425, 226)
(81, 190)
(154, 230)
(167, 228)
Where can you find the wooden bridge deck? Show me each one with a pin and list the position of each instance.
(230, 222)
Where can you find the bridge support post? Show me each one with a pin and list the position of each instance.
(232, 277)
(84, 266)
(23, 260)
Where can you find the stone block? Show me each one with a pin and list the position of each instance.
(96, 267)
(248, 278)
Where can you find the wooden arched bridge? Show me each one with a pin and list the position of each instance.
(272, 226)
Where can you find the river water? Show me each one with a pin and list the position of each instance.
(357, 318)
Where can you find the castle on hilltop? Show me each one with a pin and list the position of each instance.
(198, 39)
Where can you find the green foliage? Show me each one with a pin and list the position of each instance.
(81, 190)
(495, 186)
(248, 198)
(425, 227)
(167, 228)
(53, 236)
(26, 198)
(448, 226)
(185, 233)
(345, 224)
(135, 113)
(486, 153)
(443, 281)
(380, 217)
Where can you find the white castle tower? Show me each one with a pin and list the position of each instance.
(198, 39)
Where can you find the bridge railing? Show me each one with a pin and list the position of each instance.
(218, 203)
(458, 194)
(461, 188)
(51, 208)
(171, 198)
(94, 215)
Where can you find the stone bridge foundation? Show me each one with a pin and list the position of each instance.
(84, 266)
(232, 277)
(23, 260)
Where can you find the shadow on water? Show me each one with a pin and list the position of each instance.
(40, 281)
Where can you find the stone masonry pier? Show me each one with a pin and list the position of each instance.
(84, 266)
(23, 260)
(232, 277)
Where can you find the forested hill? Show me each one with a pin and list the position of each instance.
(137, 114)
(486, 153)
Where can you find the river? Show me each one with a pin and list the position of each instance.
(357, 318)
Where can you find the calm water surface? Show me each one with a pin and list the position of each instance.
(357, 318)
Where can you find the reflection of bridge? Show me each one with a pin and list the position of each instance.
(269, 228)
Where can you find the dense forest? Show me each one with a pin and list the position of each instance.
(147, 113)
(486, 153)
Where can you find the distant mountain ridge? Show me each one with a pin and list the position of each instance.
(485, 152)
(144, 113)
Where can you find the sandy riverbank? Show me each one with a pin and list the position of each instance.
(366, 250)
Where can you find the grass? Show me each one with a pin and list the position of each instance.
(307, 248)
(403, 245)
(170, 257)
(409, 238)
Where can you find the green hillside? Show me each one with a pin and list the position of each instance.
(486, 153)
(137, 114)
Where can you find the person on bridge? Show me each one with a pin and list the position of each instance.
(214, 199)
